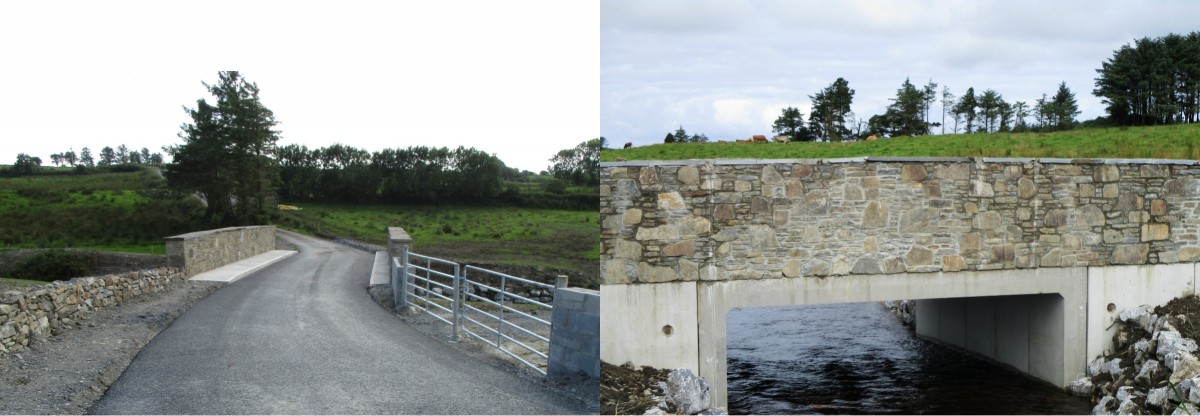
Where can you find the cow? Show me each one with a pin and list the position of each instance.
(628, 145)
(745, 140)
(783, 139)
(758, 138)
(872, 137)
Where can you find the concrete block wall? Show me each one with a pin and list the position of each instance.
(201, 251)
(37, 311)
(717, 220)
(575, 333)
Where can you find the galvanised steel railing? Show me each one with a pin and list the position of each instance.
(448, 297)
(496, 335)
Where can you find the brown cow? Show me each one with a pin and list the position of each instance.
(783, 139)
(745, 140)
(759, 138)
(628, 144)
(872, 137)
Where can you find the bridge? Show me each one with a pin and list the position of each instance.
(1025, 261)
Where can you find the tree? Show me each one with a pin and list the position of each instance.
(69, 157)
(1152, 81)
(790, 123)
(989, 106)
(669, 139)
(929, 93)
(56, 159)
(85, 158)
(122, 154)
(966, 106)
(681, 135)
(830, 107)
(107, 156)
(226, 154)
(1065, 108)
(26, 164)
(904, 117)
(579, 165)
(145, 153)
(1020, 112)
(947, 105)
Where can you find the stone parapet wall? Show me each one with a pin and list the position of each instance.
(40, 310)
(575, 333)
(202, 251)
(715, 220)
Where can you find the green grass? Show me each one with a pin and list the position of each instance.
(563, 239)
(1155, 142)
(104, 211)
(17, 284)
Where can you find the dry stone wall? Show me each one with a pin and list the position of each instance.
(202, 251)
(752, 219)
(39, 310)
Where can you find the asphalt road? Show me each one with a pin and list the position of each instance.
(303, 336)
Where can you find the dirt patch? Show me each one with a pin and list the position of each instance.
(68, 371)
(1189, 307)
(626, 389)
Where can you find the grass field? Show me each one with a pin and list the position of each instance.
(104, 211)
(564, 239)
(1155, 142)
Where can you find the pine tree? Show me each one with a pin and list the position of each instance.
(790, 123)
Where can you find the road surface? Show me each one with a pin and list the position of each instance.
(303, 336)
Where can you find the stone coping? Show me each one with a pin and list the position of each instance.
(898, 159)
(206, 233)
(398, 234)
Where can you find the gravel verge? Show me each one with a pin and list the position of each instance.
(68, 371)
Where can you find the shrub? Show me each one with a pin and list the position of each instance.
(54, 265)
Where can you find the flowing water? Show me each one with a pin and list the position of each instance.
(857, 358)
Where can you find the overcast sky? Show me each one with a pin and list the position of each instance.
(728, 68)
(515, 78)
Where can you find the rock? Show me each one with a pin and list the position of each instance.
(1146, 375)
(1095, 367)
(1139, 315)
(1185, 366)
(1128, 407)
(1106, 405)
(1113, 368)
(686, 391)
(1124, 393)
(1082, 387)
(1157, 397)
(714, 411)
(875, 215)
(1172, 341)
(655, 411)
(1142, 349)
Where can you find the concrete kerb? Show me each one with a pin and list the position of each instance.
(234, 271)
(897, 159)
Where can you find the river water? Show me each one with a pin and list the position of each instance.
(857, 358)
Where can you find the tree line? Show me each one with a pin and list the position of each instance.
(120, 159)
(1153, 81)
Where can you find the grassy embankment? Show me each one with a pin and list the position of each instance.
(1156, 142)
(105, 211)
(561, 239)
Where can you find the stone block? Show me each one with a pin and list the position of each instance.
(918, 256)
(1026, 189)
(1055, 218)
(982, 189)
(1158, 207)
(723, 212)
(840, 266)
(781, 217)
(632, 216)
(655, 274)
(742, 186)
(1106, 173)
(794, 189)
(682, 248)
(919, 220)
(1189, 254)
(969, 242)
(953, 171)
(875, 215)
(852, 193)
(792, 268)
(689, 175)
(1111, 190)
(1003, 253)
(1130, 254)
(953, 264)
(866, 265)
(671, 200)
(988, 220)
(770, 176)
(1155, 232)
(648, 175)
(1090, 216)
(912, 172)
(894, 265)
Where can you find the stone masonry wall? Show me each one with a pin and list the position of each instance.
(202, 251)
(751, 219)
(39, 310)
(575, 333)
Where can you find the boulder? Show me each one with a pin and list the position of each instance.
(1186, 366)
(686, 391)
(1128, 407)
(1157, 397)
(1139, 315)
(1106, 406)
(1082, 387)
(1113, 368)
(1172, 341)
(1095, 367)
(1150, 369)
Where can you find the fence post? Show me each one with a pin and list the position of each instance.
(404, 276)
(395, 274)
(560, 281)
(458, 296)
